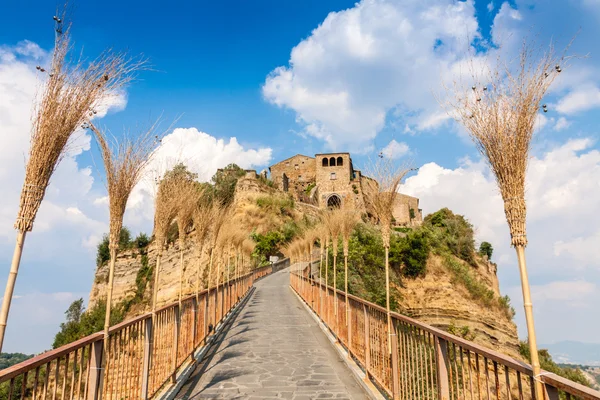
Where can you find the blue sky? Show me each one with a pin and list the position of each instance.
(308, 77)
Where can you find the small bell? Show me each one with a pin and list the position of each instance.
(55, 18)
(38, 67)
(479, 99)
(95, 112)
(42, 70)
(105, 77)
(544, 106)
(485, 88)
(59, 20)
(473, 87)
(545, 110)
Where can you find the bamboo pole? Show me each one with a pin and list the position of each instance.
(387, 298)
(531, 337)
(10, 283)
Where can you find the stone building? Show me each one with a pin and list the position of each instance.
(330, 180)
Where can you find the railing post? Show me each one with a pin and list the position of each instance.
(95, 377)
(349, 325)
(195, 308)
(367, 344)
(147, 359)
(394, 360)
(206, 300)
(177, 327)
(441, 361)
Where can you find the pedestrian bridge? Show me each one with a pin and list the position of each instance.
(280, 334)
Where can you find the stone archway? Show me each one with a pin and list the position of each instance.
(334, 201)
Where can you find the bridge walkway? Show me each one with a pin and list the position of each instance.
(272, 349)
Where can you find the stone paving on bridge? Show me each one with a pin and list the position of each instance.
(273, 349)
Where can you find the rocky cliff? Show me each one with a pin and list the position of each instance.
(438, 300)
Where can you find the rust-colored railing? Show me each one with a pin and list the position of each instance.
(144, 353)
(417, 361)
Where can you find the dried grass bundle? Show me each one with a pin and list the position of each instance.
(124, 163)
(381, 199)
(69, 98)
(70, 94)
(164, 213)
(348, 221)
(499, 112)
(201, 218)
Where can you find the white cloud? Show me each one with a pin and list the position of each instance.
(585, 250)
(563, 196)
(561, 124)
(44, 312)
(363, 62)
(490, 6)
(581, 99)
(395, 149)
(74, 215)
(201, 152)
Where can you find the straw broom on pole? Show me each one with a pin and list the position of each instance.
(164, 213)
(499, 112)
(186, 196)
(124, 164)
(349, 219)
(381, 201)
(70, 93)
(332, 221)
(201, 218)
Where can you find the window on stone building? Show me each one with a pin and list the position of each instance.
(332, 162)
(296, 166)
(332, 176)
(340, 161)
(300, 178)
(326, 162)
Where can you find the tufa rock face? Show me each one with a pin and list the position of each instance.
(436, 300)
(128, 265)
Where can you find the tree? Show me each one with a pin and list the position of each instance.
(486, 249)
(224, 182)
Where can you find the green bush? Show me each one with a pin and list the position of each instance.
(463, 274)
(103, 254)
(80, 323)
(283, 205)
(451, 232)
(414, 254)
(141, 241)
(486, 249)
(309, 188)
(546, 362)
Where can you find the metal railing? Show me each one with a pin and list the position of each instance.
(418, 361)
(144, 353)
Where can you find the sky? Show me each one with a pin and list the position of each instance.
(257, 82)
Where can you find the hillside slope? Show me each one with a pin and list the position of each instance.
(438, 297)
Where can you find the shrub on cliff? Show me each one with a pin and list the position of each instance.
(452, 232)
(103, 253)
(80, 323)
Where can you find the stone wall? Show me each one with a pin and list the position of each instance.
(402, 207)
(299, 170)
